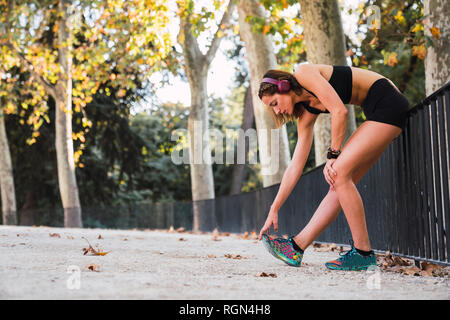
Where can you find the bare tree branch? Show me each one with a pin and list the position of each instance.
(216, 40)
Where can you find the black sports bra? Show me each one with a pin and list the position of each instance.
(341, 81)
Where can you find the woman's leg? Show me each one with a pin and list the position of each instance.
(369, 141)
(330, 206)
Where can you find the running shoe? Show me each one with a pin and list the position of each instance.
(352, 260)
(282, 249)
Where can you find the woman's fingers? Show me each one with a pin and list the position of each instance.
(327, 177)
(329, 172)
(263, 230)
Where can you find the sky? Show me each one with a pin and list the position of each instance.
(221, 71)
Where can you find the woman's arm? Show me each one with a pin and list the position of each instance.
(310, 78)
(294, 170)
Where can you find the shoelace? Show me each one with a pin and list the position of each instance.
(346, 254)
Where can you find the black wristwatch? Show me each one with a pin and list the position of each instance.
(333, 154)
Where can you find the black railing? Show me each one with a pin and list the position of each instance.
(405, 195)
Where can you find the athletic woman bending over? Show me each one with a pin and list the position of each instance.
(320, 88)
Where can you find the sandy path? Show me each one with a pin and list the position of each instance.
(157, 265)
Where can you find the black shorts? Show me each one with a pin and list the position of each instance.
(384, 103)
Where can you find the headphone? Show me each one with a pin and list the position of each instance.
(283, 85)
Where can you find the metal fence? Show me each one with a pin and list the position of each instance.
(405, 195)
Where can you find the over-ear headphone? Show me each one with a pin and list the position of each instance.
(283, 85)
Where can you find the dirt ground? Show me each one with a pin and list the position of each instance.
(48, 263)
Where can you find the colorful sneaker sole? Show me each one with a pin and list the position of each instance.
(279, 255)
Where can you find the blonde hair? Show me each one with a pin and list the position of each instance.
(268, 89)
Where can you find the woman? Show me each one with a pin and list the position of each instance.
(302, 96)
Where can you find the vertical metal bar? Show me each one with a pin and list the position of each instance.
(399, 230)
(437, 175)
(445, 179)
(424, 182)
(418, 193)
(392, 195)
(413, 183)
(406, 207)
(432, 212)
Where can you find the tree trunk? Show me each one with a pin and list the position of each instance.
(273, 143)
(8, 196)
(325, 44)
(437, 59)
(247, 122)
(26, 213)
(63, 124)
(196, 67)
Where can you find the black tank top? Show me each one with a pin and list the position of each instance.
(341, 81)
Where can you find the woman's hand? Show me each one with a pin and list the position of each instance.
(272, 218)
(329, 172)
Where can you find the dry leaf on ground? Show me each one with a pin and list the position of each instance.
(211, 256)
(100, 237)
(248, 236)
(54, 235)
(92, 251)
(181, 230)
(392, 263)
(236, 256)
(263, 274)
(327, 247)
(182, 239)
(93, 267)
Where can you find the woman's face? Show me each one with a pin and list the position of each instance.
(280, 103)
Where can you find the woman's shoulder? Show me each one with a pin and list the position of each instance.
(324, 69)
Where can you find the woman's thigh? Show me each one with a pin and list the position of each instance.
(363, 148)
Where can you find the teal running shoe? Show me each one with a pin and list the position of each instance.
(352, 260)
(282, 249)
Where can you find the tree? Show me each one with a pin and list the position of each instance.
(196, 68)
(71, 72)
(437, 60)
(325, 43)
(8, 195)
(274, 154)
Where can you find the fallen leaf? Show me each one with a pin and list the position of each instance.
(93, 267)
(99, 236)
(431, 269)
(181, 230)
(211, 256)
(54, 235)
(237, 256)
(182, 239)
(92, 251)
(70, 237)
(263, 274)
